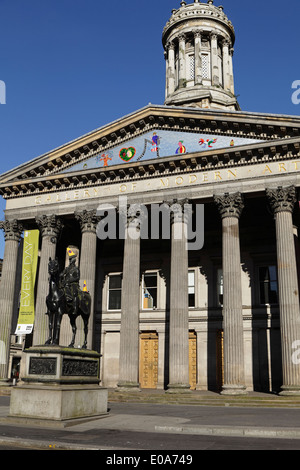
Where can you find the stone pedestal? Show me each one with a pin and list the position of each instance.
(60, 385)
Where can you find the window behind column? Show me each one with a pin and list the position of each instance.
(149, 300)
(268, 288)
(114, 291)
(191, 288)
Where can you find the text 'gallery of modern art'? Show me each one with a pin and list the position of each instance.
(184, 220)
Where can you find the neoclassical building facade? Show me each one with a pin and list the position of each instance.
(219, 315)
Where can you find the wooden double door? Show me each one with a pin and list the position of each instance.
(148, 374)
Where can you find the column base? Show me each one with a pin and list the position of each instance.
(233, 390)
(290, 390)
(5, 383)
(178, 388)
(128, 387)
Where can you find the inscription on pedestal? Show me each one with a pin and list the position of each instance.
(71, 367)
(42, 366)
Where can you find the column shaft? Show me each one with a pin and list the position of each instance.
(50, 227)
(13, 232)
(129, 340)
(88, 262)
(179, 320)
(282, 201)
(226, 67)
(171, 69)
(198, 61)
(214, 60)
(182, 62)
(231, 78)
(230, 208)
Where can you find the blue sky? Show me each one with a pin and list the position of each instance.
(71, 66)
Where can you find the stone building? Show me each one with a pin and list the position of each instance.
(222, 315)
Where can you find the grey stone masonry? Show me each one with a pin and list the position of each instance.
(88, 223)
(179, 311)
(50, 227)
(282, 201)
(12, 234)
(230, 208)
(129, 338)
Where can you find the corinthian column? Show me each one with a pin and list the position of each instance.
(182, 61)
(214, 59)
(226, 66)
(88, 221)
(129, 339)
(230, 208)
(198, 61)
(282, 201)
(50, 227)
(12, 234)
(170, 69)
(179, 308)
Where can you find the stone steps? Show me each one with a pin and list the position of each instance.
(201, 399)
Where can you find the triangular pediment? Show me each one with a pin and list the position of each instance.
(160, 144)
(151, 136)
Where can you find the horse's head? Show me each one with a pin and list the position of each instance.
(53, 267)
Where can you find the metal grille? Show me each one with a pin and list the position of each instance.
(205, 66)
(192, 67)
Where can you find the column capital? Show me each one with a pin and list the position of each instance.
(197, 33)
(170, 45)
(181, 37)
(226, 42)
(49, 225)
(12, 229)
(177, 207)
(230, 205)
(88, 220)
(281, 199)
(213, 35)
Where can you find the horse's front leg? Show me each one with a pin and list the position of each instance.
(74, 329)
(85, 321)
(50, 316)
(56, 335)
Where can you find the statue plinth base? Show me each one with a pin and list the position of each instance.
(60, 385)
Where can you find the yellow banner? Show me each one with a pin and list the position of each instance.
(29, 268)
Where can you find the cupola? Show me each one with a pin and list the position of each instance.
(198, 41)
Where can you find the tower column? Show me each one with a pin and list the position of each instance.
(170, 68)
(182, 61)
(88, 221)
(50, 227)
(179, 309)
(214, 59)
(282, 201)
(231, 81)
(198, 60)
(129, 339)
(230, 207)
(12, 234)
(226, 66)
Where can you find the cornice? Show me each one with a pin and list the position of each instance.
(262, 152)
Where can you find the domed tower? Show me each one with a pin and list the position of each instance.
(198, 42)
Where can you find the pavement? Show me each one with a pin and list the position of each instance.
(198, 413)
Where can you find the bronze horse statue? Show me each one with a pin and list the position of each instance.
(59, 303)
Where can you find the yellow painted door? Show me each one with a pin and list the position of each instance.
(192, 360)
(148, 360)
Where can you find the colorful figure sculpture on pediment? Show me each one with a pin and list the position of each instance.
(163, 143)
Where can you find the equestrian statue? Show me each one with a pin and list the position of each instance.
(66, 297)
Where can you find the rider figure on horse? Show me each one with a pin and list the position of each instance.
(69, 282)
